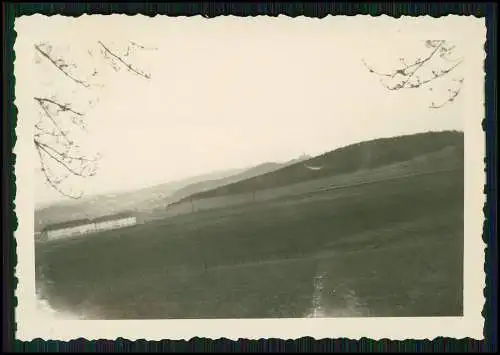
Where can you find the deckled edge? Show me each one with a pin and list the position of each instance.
(13, 187)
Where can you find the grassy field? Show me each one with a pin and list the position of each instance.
(391, 248)
(444, 159)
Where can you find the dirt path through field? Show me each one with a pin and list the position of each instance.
(339, 302)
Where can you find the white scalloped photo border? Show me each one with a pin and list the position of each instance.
(465, 29)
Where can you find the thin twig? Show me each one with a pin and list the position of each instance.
(58, 127)
(59, 67)
(55, 185)
(58, 160)
(62, 107)
(143, 47)
(65, 155)
(127, 65)
(422, 63)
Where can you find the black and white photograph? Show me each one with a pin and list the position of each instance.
(245, 177)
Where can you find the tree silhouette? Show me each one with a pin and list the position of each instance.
(60, 124)
(439, 61)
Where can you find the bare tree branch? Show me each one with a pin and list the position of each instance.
(62, 107)
(419, 65)
(405, 76)
(59, 154)
(61, 159)
(453, 95)
(41, 131)
(127, 65)
(62, 133)
(60, 66)
(66, 154)
(50, 176)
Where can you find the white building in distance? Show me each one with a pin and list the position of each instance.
(87, 226)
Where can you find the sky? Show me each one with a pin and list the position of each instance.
(224, 93)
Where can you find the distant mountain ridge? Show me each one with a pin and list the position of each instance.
(110, 203)
(431, 148)
(147, 198)
(246, 174)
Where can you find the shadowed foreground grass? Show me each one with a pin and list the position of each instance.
(392, 248)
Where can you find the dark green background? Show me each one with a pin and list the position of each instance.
(9, 222)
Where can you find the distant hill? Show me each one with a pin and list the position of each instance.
(247, 174)
(360, 156)
(431, 148)
(99, 205)
(149, 198)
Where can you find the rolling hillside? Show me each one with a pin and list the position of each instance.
(435, 148)
(417, 151)
(247, 174)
